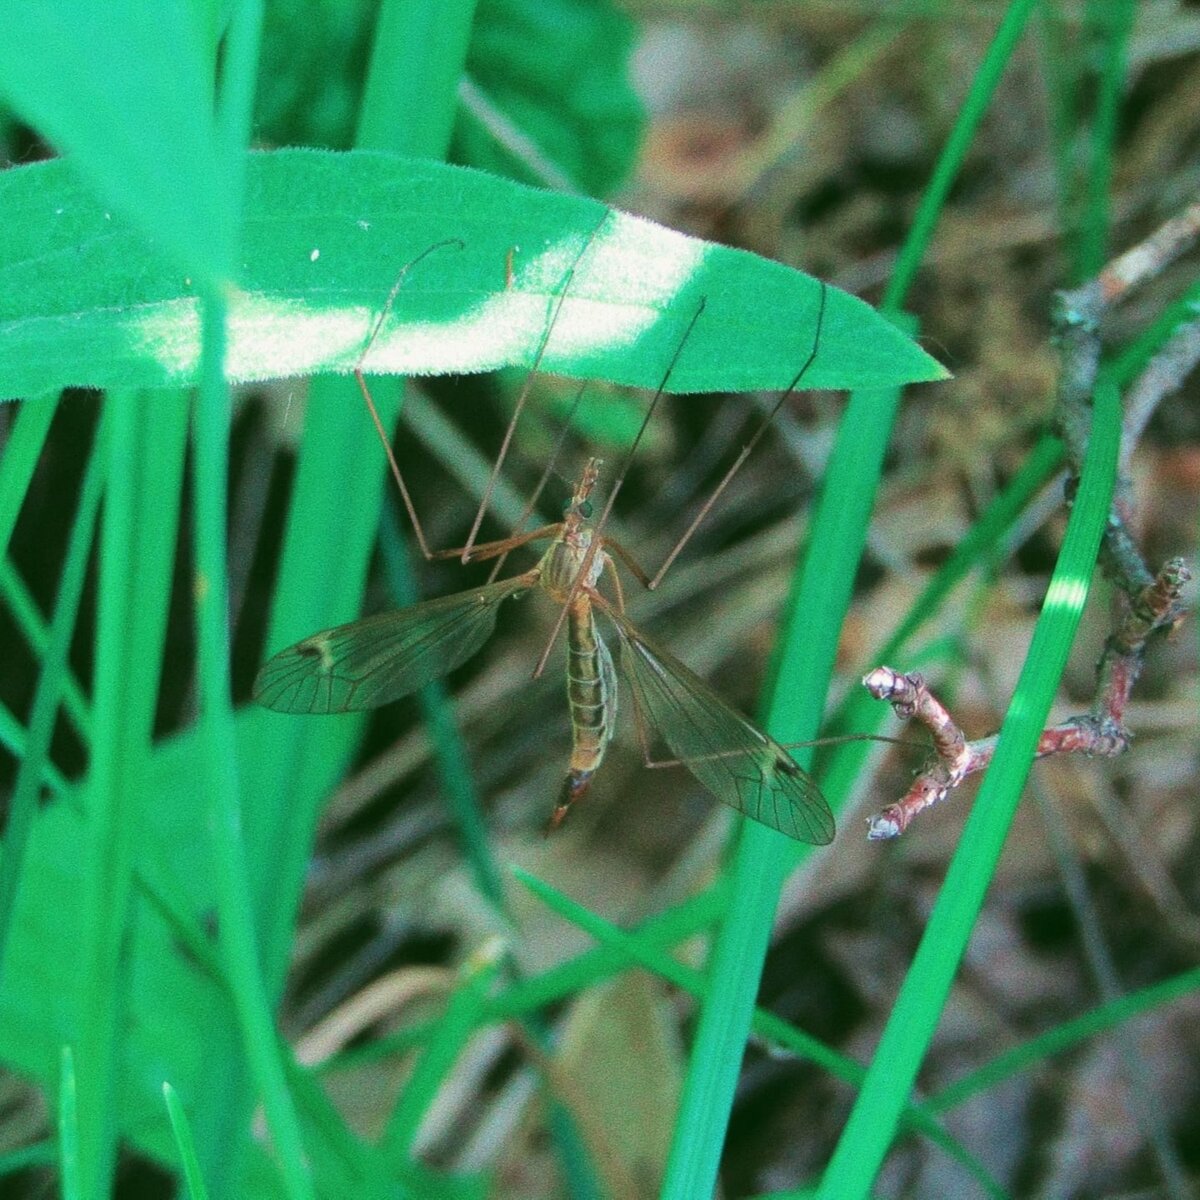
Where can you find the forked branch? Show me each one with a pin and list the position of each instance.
(1150, 602)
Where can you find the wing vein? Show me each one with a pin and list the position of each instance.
(738, 763)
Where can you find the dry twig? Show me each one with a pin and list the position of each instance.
(1149, 601)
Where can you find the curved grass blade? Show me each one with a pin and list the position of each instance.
(379, 659)
(742, 766)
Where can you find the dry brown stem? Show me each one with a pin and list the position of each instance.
(1148, 601)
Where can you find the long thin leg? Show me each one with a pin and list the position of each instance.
(746, 450)
(631, 564)
(486, 499)
(598, 538)
(360, 377)
(839, 739)
(536, 494)
(599, 602)
(482, 551)
(618, 589)
(618, 483)
(470, 550)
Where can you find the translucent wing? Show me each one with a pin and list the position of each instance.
(379, 659)
(736, 761)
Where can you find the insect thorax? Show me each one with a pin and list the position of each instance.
(561, 562)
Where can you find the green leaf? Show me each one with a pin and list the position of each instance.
(130, 99)
(85, 301)
(548, 97)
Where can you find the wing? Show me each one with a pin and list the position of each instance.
(379, 659)
(736, 761)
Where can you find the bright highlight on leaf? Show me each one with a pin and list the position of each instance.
(85, 301)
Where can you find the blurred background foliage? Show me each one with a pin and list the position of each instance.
(806, 132)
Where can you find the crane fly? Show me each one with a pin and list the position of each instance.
(379, 659)
(374, 661)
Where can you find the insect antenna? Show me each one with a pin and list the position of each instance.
(360, 377)
(637, 441)
(746, 450)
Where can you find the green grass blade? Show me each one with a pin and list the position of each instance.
(91, 1126)
(20, 458)
(291, 764)
(449, 749)
(526, 996)
(1134, 357)
(235, 99)
(1060, 68)
(450, 1035)
(68, 1128)
(235, 907)
(652, 938)
(638, 950)
(950, 161)
(348, 1166)
(48, 693)
(1062, 1037)
(144, 441)
(33, 627)
(14, 738)
(327, 546)
(418, 56)
(143, 437)
(872, 1123)
(820, 596)
(1114, 22)
(193, 1180)
(21, 453)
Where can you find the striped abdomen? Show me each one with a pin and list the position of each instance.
(592, 697)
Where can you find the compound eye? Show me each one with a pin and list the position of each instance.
(585, 510)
